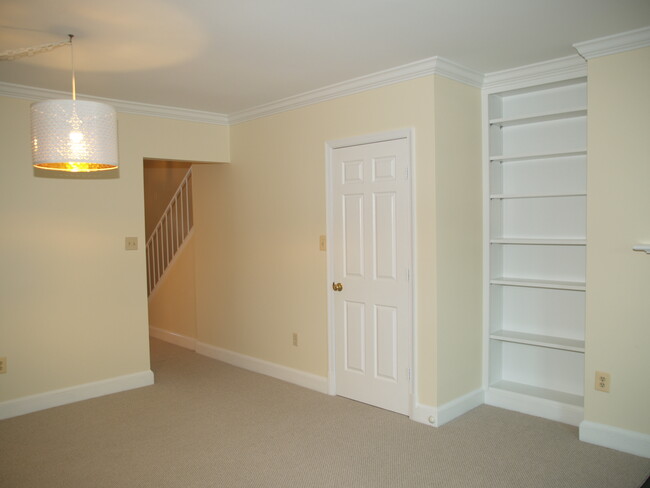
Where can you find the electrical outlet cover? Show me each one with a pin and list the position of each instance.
(603, 381)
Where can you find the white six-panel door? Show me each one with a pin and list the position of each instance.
(371, 253)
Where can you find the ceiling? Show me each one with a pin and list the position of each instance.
(225, 56)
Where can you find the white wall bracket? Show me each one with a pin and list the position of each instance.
(642, 247)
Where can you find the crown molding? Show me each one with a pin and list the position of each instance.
(37, 94)
(617, 43)
(436, 65)
(539, 73)
(536, 74)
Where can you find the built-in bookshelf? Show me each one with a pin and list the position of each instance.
(536, 164)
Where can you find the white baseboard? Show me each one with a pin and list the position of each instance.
(290, 375)
(457, 407)
(439, 416)
(173, 338)
(615, 438)
(55, 398)
(424, 414)
(539, 407)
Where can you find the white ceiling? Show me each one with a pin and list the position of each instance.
(225, 56)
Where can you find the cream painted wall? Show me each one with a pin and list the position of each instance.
(73, 305)
(262, 276)
(459, 217)
(618, 279)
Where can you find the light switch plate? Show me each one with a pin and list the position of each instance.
(131, 243)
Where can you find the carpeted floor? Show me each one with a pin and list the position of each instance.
(208, 424)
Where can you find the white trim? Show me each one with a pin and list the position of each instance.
(284, 373)
(409, 135)
(173, 338)
(64, 396)
(615, 438)
(33, 93)
(457, 72)
(424, 414)
(536, 74)
(439, 416)
(415, 396)
(430, 66)
(485, 175)
(459, 406)
(617, 43)
(532, 74)
(539, 407)
(329, 224)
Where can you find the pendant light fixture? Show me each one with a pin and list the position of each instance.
(74, 135)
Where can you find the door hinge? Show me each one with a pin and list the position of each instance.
(406, 172)
(408, 373)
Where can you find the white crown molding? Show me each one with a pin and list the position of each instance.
(536, 74)
(539, 73)
(417, 69)
(37, 94)
(617, 43)
(457, 72)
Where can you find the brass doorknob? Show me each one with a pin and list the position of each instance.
(337, 286)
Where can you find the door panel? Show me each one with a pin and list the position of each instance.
(384, 235)
(353, 226)
(355, 337)
(371, 252)
(386, 345)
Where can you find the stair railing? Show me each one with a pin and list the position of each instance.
(170, 232)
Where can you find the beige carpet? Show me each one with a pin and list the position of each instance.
(208, 424)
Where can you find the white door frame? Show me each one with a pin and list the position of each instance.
(331, 332)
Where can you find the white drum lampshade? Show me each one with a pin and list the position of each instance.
(74, 135)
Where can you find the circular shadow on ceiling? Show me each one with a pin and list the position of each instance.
(113, 36)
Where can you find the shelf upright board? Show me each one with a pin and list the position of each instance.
(535, 197)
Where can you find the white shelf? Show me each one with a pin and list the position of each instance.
(525, 157)
(541, 117)
(561, 343)
(556, 285)
(551, 395)
(536, 167)
(503, 196)
(539, 242)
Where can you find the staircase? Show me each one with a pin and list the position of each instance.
(171, 232)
